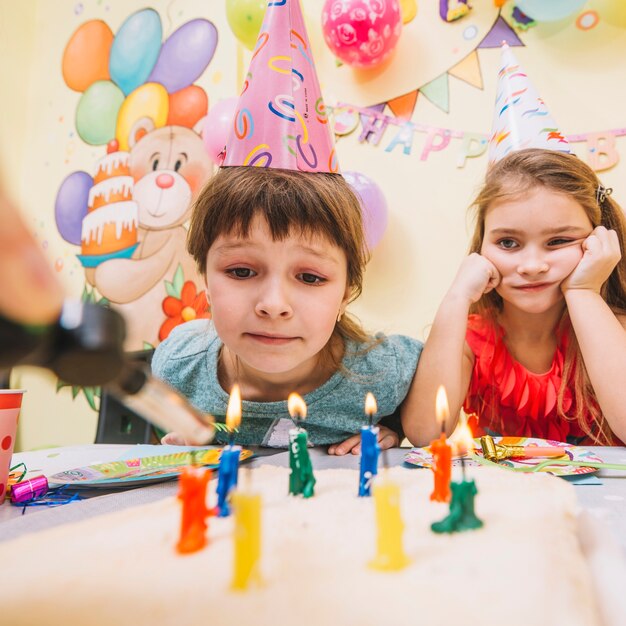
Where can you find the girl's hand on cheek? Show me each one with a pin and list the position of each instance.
(387, 438)
(601, 253)
(476, 277)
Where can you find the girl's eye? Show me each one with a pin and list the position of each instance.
(155, 164)
(311, 279)
(558, 242)
(241, 272)
(507, 244)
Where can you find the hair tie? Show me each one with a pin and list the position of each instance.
(602, 193)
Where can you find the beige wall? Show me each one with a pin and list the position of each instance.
(580, 75)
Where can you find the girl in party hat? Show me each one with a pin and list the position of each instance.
(277, 234)
(531, 337)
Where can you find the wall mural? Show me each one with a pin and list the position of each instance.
(127, 216)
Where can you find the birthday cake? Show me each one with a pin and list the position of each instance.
(524, 566)
(109, 229)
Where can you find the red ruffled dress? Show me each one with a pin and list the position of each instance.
(504, 398)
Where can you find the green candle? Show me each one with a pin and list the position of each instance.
(461, 516)
(301, 479)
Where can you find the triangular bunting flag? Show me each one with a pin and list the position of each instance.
(437, 92)
(500, 31)
(403, 106)
(468, 70)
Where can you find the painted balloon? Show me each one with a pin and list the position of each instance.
(217, 126)
(70, 206)
(373, 206)
(150, 100)
(245, 18)
(97, 111)
(86, 55)
(543, 11)
(187, 106)
(135, 49)
(361, 33)
(185, 55)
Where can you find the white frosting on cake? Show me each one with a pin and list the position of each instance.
(524, 567)
(110, 162)
(123, 214)
(106, 188)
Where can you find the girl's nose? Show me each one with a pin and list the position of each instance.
(274, 302)
(533, 264)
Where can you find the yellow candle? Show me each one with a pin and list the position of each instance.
(390, 553)
(247, 539)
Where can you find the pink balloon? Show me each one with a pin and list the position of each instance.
(373, 206)
(362, 33)
(217, 125)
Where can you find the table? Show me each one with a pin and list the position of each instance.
(606, 501)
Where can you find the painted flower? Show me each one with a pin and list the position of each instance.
(190, 306)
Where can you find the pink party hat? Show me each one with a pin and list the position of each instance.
(521, 119)
(281, 120)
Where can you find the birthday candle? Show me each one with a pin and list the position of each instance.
(246, 538)
(193, 483)
(390, 552)
(369, 448)
(441, 451)
(301, 478)
(229, 459)
(461, 516)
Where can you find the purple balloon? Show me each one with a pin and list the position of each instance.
(71, 205)
(373, 206)
(185, 55)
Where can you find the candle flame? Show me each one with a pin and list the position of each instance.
(441, 406)
(233, 411)
(296, 406)
(370, 404)
(463, 437)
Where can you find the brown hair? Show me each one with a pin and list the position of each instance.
(291, 202)
(516, 174)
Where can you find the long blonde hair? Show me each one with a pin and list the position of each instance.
(515, 175)
(290, 202)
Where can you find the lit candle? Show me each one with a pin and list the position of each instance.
(461, 516)
(229, 459)
(301, 479)
(390, 553)
(369, 448)
(441, 451)
(193, 482)
(247, 538)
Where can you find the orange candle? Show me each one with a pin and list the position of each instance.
(442, 452)
(193, 484)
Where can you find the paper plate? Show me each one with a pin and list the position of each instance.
(139, 471)
(422, 457)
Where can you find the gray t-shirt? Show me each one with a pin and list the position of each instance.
(188, 361)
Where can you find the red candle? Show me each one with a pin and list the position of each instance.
(193, 484)
(442, 452)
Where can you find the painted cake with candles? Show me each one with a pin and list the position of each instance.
(109, 230)
(334, 558)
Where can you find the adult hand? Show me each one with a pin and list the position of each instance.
(387, 438)
(601, 253)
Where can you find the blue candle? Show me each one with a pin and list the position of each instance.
(227, 478)
(369, 448)
(229, 459)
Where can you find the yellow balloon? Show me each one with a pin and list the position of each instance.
(408, 8)
(149, 100)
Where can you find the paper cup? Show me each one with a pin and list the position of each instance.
(10, 404)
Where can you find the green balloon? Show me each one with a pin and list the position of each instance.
(245, 18)
(96, 113)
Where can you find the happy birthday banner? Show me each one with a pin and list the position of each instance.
(601, 150)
